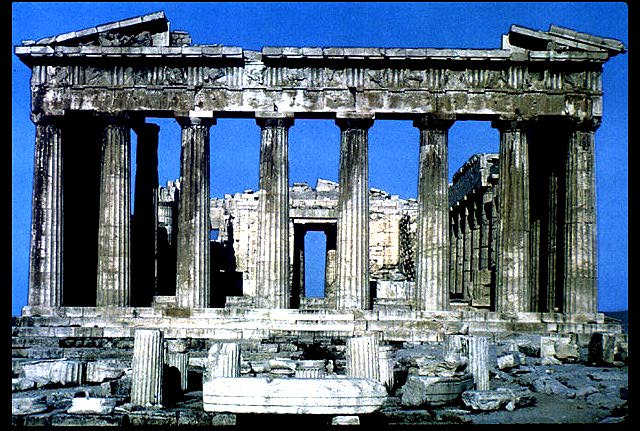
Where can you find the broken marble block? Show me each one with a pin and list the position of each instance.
(28, 405)
(82, 404)
(511, 360)
(497, 399)
(433, 390)
(562, 348)
(329, 396)
(105, 369)
(61, 371)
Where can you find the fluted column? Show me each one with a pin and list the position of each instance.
(459, 215)
(512, 278)
(432, 252)
(223, 361)
(580, 240)
(363, 357)
(45, 265)
(114, 277)
(176, 356)
(467, 248)
(552, 240)
(272, 288)
(479, 361)
(192, 269)
(352, 253)
(330, 278)
(145, 218)
(147, 367)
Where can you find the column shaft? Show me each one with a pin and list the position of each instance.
(459, 214)
(468, 246)
(552, 248)
(363, 357)
(352, 251)
(113, 287)
(192, 271)
(512, 284)
(580, 241)
(432, 253)
(223, 361)
(147, 367)
(273, 289)
(45, 265)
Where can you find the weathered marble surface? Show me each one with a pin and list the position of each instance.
(340, 396)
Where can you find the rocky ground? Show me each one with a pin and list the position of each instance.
(532, 380)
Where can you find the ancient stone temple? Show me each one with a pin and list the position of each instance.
(188, 309)
(510, 246)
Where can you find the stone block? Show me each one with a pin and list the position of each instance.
(511, 360)
(330, 396)
(345, 420)
(22, 384)
(434, 391)
(60, 371)
(88, 420)
(28, 405)
(105, 369)
(86, 405)
(602, 349)
(501, 398)
(550, 386)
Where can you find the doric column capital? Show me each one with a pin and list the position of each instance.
(507, 124)
(115, 118)
(146, 129)
(354, 120)
(434, 122)
(271, 119)
(586, 124)
(41, 119)
(188, 121)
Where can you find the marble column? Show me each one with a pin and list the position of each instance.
(453, 227)
(147, 367)
(192, 271)
(476, 207)
(459, 214)
(580, 240)
(479, 361)
(363, 357)
(467, 249)
(512, 278)
(145, 217)
(352, 252)
(223, 361)
(552, 240)
(272, 285)
(432, 251)
(45, 264)
(330, 277)
(311, 369)
(114, 218)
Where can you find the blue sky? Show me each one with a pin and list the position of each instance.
(314, 143)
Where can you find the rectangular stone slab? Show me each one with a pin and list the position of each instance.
(339, 396)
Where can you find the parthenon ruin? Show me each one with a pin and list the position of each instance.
(510, 245)
(160, 304)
